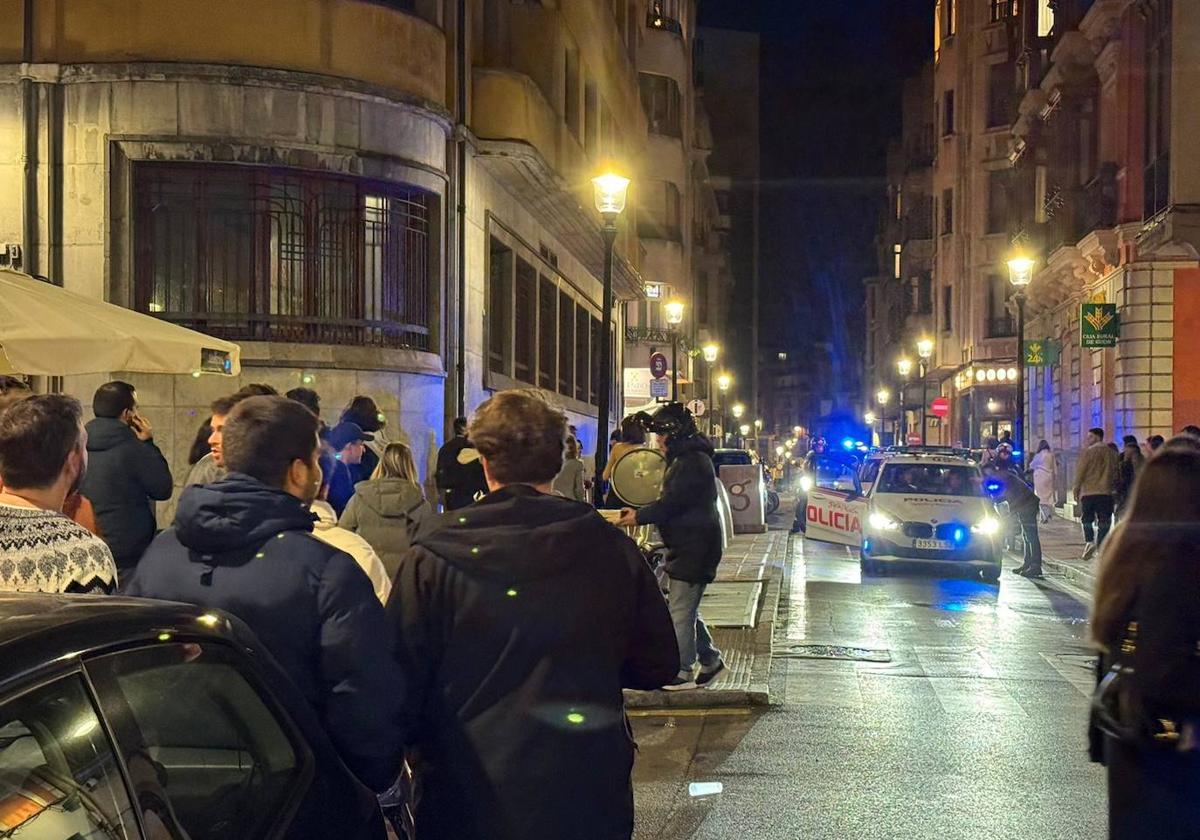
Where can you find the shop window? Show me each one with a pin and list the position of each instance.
(254, 253)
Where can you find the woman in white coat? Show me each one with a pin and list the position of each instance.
(1044, 479)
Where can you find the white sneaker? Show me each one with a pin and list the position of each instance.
(1089, 551)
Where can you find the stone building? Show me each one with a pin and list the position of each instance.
(369, 196)
(1106, 186)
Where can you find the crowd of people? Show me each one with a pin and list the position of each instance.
(487, 645)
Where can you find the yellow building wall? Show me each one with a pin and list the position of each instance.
(345, 38)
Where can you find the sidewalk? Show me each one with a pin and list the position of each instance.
(1062, 548)
(740, 608)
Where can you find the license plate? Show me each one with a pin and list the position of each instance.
(937, 545)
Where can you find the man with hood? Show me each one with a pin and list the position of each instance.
(127, 473)
(518, 620)
(686, 516)
(245, 545)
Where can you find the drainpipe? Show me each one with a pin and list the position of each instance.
(460, 202)
(29, 150)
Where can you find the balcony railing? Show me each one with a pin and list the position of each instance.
(1001, 326)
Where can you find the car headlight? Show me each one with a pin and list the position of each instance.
(988, 526)
(806, 483)
(882, 522)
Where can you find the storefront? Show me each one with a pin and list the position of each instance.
(983, 403)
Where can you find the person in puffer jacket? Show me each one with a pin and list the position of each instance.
(388, 509)
(245, 545)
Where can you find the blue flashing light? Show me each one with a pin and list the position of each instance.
(993, 486)
(848, 443)
(866, 545)
(959, 535)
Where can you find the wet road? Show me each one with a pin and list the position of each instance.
(973, 727)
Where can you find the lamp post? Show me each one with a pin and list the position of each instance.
(758, 425)
(1020, 274)
(738, 410)
(674, 319)
(609, 191)
(904, 368)
(723, 383)
(925, 353)
(882, 396)
(711, 352)
(869, 419)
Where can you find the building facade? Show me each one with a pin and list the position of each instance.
(385, 197)
(1107, 186)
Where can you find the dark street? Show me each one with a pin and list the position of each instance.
(974, 728)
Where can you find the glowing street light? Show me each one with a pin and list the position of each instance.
(1020, 274)
(869, 418)
(738, 411)
(674, 310)
(711, 351)
(882, 396)
(925, 348)
(609, 191)
(724, 381)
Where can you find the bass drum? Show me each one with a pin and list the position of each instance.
(637, 476)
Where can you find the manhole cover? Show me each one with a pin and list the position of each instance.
(834, 652)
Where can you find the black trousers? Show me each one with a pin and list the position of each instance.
(1032, 542)
(1098, 510)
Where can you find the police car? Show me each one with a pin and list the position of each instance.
(921, 504)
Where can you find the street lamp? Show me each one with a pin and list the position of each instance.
(609, 192)
(738, 411)
(882, 396)
(925, 352)
(904, 368)
(711, 351)
(1020, 274)
(674, 310)
(723, 382)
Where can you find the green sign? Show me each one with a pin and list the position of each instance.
(1041, 352)
(1099, 325)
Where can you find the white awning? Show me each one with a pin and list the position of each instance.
(48, 331)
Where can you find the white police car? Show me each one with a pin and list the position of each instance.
(908, 505)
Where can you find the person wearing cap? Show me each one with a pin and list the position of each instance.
(347, 440)
(687, 518)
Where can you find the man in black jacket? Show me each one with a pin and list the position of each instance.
(687, 518)
(245, 545)
(126, 473)
(1023, 503)
(459, 475)
(518, 620)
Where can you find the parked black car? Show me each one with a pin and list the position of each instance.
(143, 720)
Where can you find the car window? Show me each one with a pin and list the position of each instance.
(930, 480)
(212, 754)
(869, 472)
(58, 774)
(832, 474)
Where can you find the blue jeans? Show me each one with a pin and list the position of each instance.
(683, 600)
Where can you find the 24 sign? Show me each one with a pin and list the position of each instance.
(1099, 325)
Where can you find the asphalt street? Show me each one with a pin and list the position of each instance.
(960, 713)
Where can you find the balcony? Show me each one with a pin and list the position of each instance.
(372, 42)
(1001, 326)
(663, 15)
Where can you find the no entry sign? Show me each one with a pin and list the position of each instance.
(940, 407)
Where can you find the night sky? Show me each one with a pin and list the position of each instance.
(832, 72)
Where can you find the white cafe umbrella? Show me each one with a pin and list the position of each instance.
(48, 331)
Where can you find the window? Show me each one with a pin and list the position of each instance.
(222, 763)
(947, 308)
(997, 208)
(945, 14)
(702, 298)
(591, 120)
(566, 344)
(925, 294)
(918, 223)
(1158, 108)
(500, 307)
(525, 323)
(947, 211)
(1001, 94)
(899, 203)
(256, 253)
(1045, 19)
(947, 113)
(547, 377)
(1002, 9)
(897, 251)
(660, 216)
(583, 355)
(58, 774)
(594, 326)
(1000, 321)
(661, 102)
(571, 91)
(664, 14)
